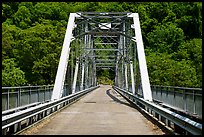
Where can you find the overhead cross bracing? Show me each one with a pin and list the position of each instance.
(96, 40)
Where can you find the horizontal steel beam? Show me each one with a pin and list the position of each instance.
(105, 66)
(113, 23)
(105, 63)
(22, 87)
(13, 110)
(104, 13)
(99, 56)
(100, 16)
(106, 43)
(98, 36)
(105, 60)
(101, 49)
(108, 33)
(104, 32)
(182, 88)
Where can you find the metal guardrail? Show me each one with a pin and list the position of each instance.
(13, 123)
(13, 110)
(179, 124)
(13, 97)
(188, 100)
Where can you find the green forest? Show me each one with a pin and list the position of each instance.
(33, 34)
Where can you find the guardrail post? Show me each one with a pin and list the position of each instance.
(184, 99)
(174, 96)
(44, 93)
(161, 93)
(8, 100)
(38, 95)
(194, 104)
(50, 93)
(29, 94)
(4, 131)
(159, 117)
(167, 92)
(167, 123)
(19, 97)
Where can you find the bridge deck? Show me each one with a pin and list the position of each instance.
(101, 112)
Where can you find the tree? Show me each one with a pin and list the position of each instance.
(33, 34)
(9, 36)
(8, 10)
(165, 71)
(191, 50)
(22, 17)
(11, 75)
(166, 38)
(45, 69)
(189, 18)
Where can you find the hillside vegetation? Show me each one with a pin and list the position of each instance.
(33, 33)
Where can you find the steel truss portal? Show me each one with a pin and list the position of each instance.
(103, 40)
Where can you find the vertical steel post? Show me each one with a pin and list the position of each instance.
(116, 73)
(38, 96)
(92, 73)
(75, 77)
(44, 93)
(82, 77)
(132, 78)
(87, 74)
(122, 75)
(8, 100)
(95, 79)
(72, 69)
(194, 104)
(126, 79)
(184, 99)
(30, 94)
(123, 46)
(19, 98)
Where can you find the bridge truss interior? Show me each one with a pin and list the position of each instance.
(100, 40)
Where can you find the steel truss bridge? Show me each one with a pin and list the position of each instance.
(96, 41)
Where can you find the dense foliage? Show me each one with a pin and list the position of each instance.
(33, 33)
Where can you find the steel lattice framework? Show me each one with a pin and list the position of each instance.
(101, 40)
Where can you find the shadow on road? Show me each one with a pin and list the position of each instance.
(116, 99)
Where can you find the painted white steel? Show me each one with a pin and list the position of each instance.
(82, 77)
(62, 67)
(126, 79)
(132, 78)
(105, 25)
(147, 93)
(75, 77)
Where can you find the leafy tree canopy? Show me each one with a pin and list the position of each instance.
(33, 34)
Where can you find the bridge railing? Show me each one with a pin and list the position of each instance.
(176, 123)
(185, 99)
(13, 97)
(16, 122)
